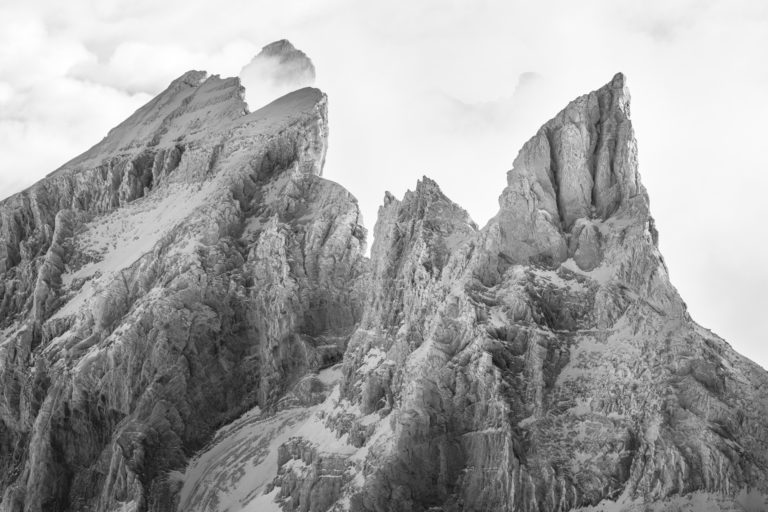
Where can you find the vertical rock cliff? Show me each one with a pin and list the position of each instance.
(187, 322)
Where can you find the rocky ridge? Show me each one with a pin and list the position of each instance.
(191, 265)
(187, 322)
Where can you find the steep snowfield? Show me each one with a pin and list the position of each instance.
(117, 240)
(241, 463)
(234, 473)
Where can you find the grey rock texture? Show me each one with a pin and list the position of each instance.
(294, 64)
(187, 322)
(550, 364)
(580, 166)
(191, 265)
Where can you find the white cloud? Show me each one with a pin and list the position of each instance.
(137, 66)
(6, 91)
(47, 116)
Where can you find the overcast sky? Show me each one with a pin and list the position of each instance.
(446, 89)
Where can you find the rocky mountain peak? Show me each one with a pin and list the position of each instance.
(283, 47)
(277, 69)
(191, 78)
(621, 92)
(295, 65)
(580, 169)
(427, 185)
(193, 107)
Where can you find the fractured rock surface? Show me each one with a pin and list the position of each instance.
(188, 267)
(187, 322)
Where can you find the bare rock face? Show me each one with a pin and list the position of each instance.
(580, 165)
(187, 322)
(554, 366)
(188, 267)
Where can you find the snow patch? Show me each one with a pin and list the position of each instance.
(330, 376)
(120, 238)
(601, 274)
(234, 471)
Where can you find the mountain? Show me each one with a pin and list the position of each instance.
(279, 68)
(188, 322)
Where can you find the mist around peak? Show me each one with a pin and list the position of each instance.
(279, 68)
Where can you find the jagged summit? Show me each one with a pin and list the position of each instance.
(188, 323)
(278, 47)
(295, 64)
(283, 47)
(194, 106)
(576, 158)
(278, 69)
(579, 170)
